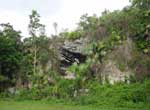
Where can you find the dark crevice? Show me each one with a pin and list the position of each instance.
(69, 57)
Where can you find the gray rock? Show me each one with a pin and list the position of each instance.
(71, 52)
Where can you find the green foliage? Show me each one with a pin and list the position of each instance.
(122, 67)
(35, 29)
(102, 48)
(140, 63)
(56, 105)
(10, 55)
(82, 71)
(143, 44)
(73, 35)
(19, 58)
(88, 23)
(134, 95)
(117, 95)
(142, 4)
(141, 12)
(34, 24)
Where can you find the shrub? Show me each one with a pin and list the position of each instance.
(73, 35)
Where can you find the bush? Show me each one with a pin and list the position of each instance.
(73, 35)
(120, 95)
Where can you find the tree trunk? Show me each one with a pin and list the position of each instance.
(35, 60)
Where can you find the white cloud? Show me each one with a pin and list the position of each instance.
(67, 16)
(18, 21)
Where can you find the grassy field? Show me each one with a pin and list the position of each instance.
(41, 105)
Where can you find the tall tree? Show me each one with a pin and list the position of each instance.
(34, 26)
(10, 55)
(55, 27)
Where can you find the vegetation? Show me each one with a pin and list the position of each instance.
(40, 105)
(30, 69)
(10, 55)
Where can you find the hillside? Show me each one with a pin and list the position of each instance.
(104, 61)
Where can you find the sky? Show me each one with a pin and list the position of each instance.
(65, 12)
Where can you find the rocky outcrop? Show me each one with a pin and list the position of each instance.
(115, 67)
(71, 52)
(113, 74)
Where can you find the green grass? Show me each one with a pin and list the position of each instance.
(45, 105)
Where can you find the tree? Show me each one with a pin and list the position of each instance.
(142, 4)
(88, 23)
(34, 26)
(55, 27)
(10, 55)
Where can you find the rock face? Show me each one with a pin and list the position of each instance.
(72, 51)
(116, 65)
(113, 74)
(114, 68)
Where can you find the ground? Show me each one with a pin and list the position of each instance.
(42, 105)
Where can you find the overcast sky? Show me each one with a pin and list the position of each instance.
(65, 12)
